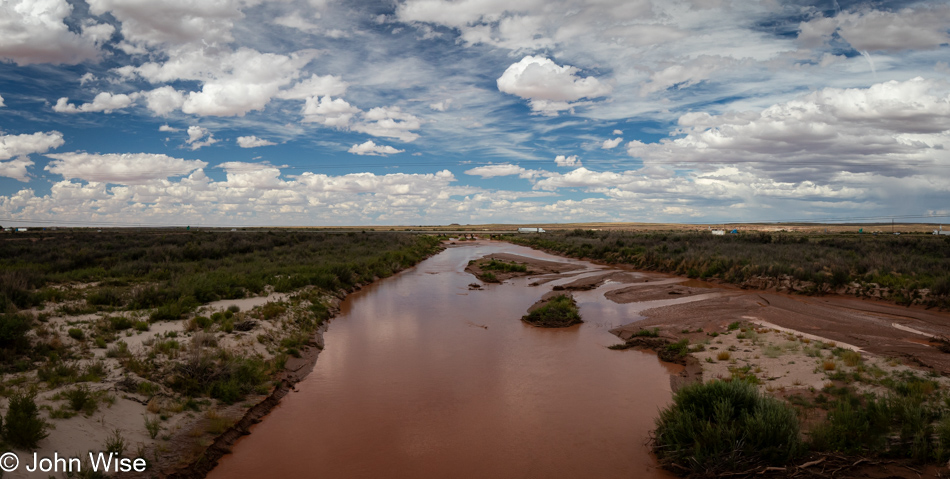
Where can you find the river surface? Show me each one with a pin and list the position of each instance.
(423, 378)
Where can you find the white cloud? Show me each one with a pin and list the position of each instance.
(126, 168)
(921, 27)
(315, 86)
(686, 73)
(33, 31)
(232, 83)
(491, 171)
(19, 147)
(1, 102)
(104, 102)
(610, 144)
(199, 137)
(253, 142)
(892, 128)
(173, 22)
(441, 105)
(371, 148)
(562, 160)
(329, 112)
(164, 100)
(389, 122)
(548, 86)
(618, 132)
(165, 127)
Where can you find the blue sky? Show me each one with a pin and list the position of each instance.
(323, 112)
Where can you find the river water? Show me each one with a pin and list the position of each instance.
(423, 378)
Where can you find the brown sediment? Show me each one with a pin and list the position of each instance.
(595, 281)
(534, 267)
(639, 293)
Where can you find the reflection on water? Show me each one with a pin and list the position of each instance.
(423, 378)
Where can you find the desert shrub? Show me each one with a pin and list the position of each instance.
(76, 334)
(853, 427)
(725, 426)
(23, 427)
(13, 328)
(559, 311)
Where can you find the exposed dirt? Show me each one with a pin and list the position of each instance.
(593, 282)
(639, 293)
(534, 267)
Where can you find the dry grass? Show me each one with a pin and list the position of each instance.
(723, 356)
(828, 365)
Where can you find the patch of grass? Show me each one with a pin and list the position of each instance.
(153, 426)
(723, 356)
(648, 333)
(76, 334)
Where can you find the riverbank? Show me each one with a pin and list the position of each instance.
(174, 385)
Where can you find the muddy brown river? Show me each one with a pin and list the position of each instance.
(423, 378)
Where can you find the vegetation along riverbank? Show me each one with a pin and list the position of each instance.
(906, 269)
(158, 345)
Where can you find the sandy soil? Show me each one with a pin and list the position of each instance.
(124, 405)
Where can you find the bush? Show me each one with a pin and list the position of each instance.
(76, 334)
(558, 312)
(13, 328)
(725, 426)
(23, 427)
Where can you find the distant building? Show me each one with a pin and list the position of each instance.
(21, 230)
(942, 232)
(719, 232)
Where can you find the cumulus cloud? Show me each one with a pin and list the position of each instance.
(504, 169)
(329, 112)
(232, 83)
(125, 168)
(165, 127)
(164, 100)
(34, 32)
(610, 144)
(371, 148)
(199, 137)
(548, 86)
(892, 128)
(253, 142)
(19, 147)
(562, 160)
(104, 102)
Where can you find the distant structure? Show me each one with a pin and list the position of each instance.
(718, 232)
(941, 231)
(21, 230)
(531, 230)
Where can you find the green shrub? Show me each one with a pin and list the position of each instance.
(724, 427)
(81, 399)
(558, 312)
(23, 427)
(76, 334)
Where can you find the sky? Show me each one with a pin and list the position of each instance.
(420, 112)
